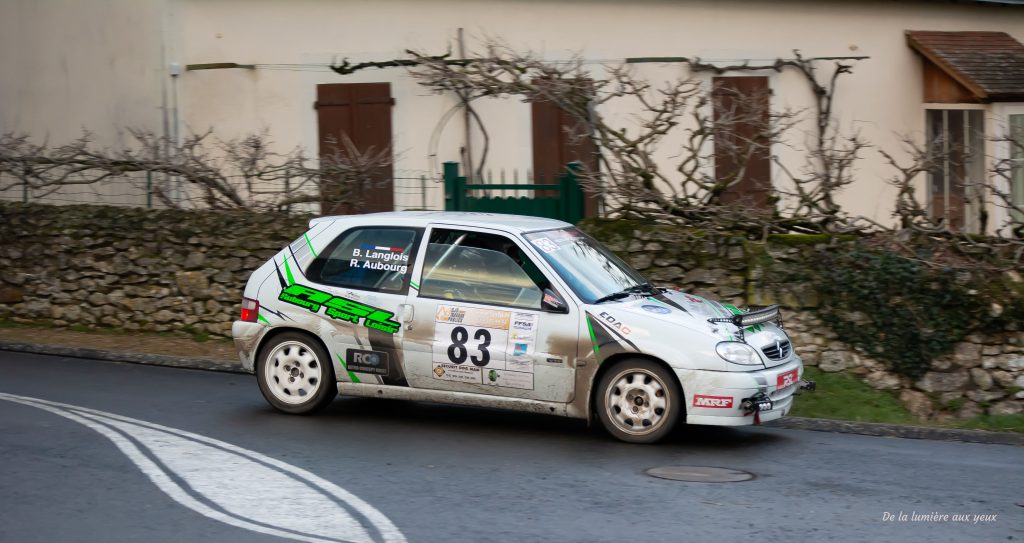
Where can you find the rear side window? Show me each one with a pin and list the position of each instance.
(370, 258)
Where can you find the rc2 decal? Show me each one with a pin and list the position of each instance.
(786, 379)
(719, 402)
(371, 362)
(340, 308)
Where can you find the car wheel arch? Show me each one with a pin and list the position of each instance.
(278, 330)
(614, 359)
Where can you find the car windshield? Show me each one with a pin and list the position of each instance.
(590, 270)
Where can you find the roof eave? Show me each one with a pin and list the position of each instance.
(977, 91)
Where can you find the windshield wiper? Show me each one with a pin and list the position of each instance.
(635, 289)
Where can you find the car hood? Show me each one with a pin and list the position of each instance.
(677, 318)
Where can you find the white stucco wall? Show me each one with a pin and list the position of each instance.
(69, 66)
(881, 100)
(103, 64)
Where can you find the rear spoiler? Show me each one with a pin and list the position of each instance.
(752, 318)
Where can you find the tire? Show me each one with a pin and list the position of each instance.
(638, 401)
(295, 374)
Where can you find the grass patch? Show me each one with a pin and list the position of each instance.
(995, 423)
(844, 397)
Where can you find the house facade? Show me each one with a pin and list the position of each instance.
(180, 66)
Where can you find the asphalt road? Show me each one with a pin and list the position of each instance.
(425, 472)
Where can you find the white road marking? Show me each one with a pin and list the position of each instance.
(238, 480)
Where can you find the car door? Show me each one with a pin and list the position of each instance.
(478, 322)
(361, 279)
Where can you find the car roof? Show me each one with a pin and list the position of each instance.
(511, 223)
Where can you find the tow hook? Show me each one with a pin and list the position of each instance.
(808, 385)
(756, 403)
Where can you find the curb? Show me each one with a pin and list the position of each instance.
(896, 430)
(209, 364)
(792, 423)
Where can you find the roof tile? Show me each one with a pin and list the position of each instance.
(990, 64)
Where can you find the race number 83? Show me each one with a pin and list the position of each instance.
(458, 352)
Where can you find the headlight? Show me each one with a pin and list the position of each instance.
(738, 353)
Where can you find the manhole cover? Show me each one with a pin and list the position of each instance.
(700, 474)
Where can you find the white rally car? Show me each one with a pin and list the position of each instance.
(503, 311)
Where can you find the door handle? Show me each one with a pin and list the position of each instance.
(406, 314)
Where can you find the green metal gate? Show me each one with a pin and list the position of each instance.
(566, 202)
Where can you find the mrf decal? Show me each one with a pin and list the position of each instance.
(722, 402)
(340, 308)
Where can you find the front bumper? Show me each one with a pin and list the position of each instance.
(717, 397)
(247, 336)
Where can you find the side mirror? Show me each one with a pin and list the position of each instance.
(553, 302)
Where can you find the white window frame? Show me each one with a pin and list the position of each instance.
(971, 221)
(1000, 125)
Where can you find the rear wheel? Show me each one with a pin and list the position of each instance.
(638, 401)
(295, 374)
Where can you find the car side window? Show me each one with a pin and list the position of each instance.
(481, 268)
(369, 258)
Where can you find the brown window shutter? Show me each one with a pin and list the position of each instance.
(554, 133)
(362, 112)
(741, 144)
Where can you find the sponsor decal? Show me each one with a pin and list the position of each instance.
(786, 379)
(485, 338)
(457, 373)
(524, 322)
(712, 401)
(484, 318)
(373, 362)
(545, 244)
(552, 300)
(510, 379)
(656, 309)
(340, 308)
(616, 324)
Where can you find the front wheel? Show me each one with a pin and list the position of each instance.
(295, 374)
(638, 401)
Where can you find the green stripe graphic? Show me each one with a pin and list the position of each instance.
(288, 272)
(593, 339)
(352, 377)
(310, 245)
(263, 319)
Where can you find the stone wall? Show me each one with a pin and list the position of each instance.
(132, 269)
(159, 271)
(982, 375)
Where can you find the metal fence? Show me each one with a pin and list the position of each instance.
(412, 191)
